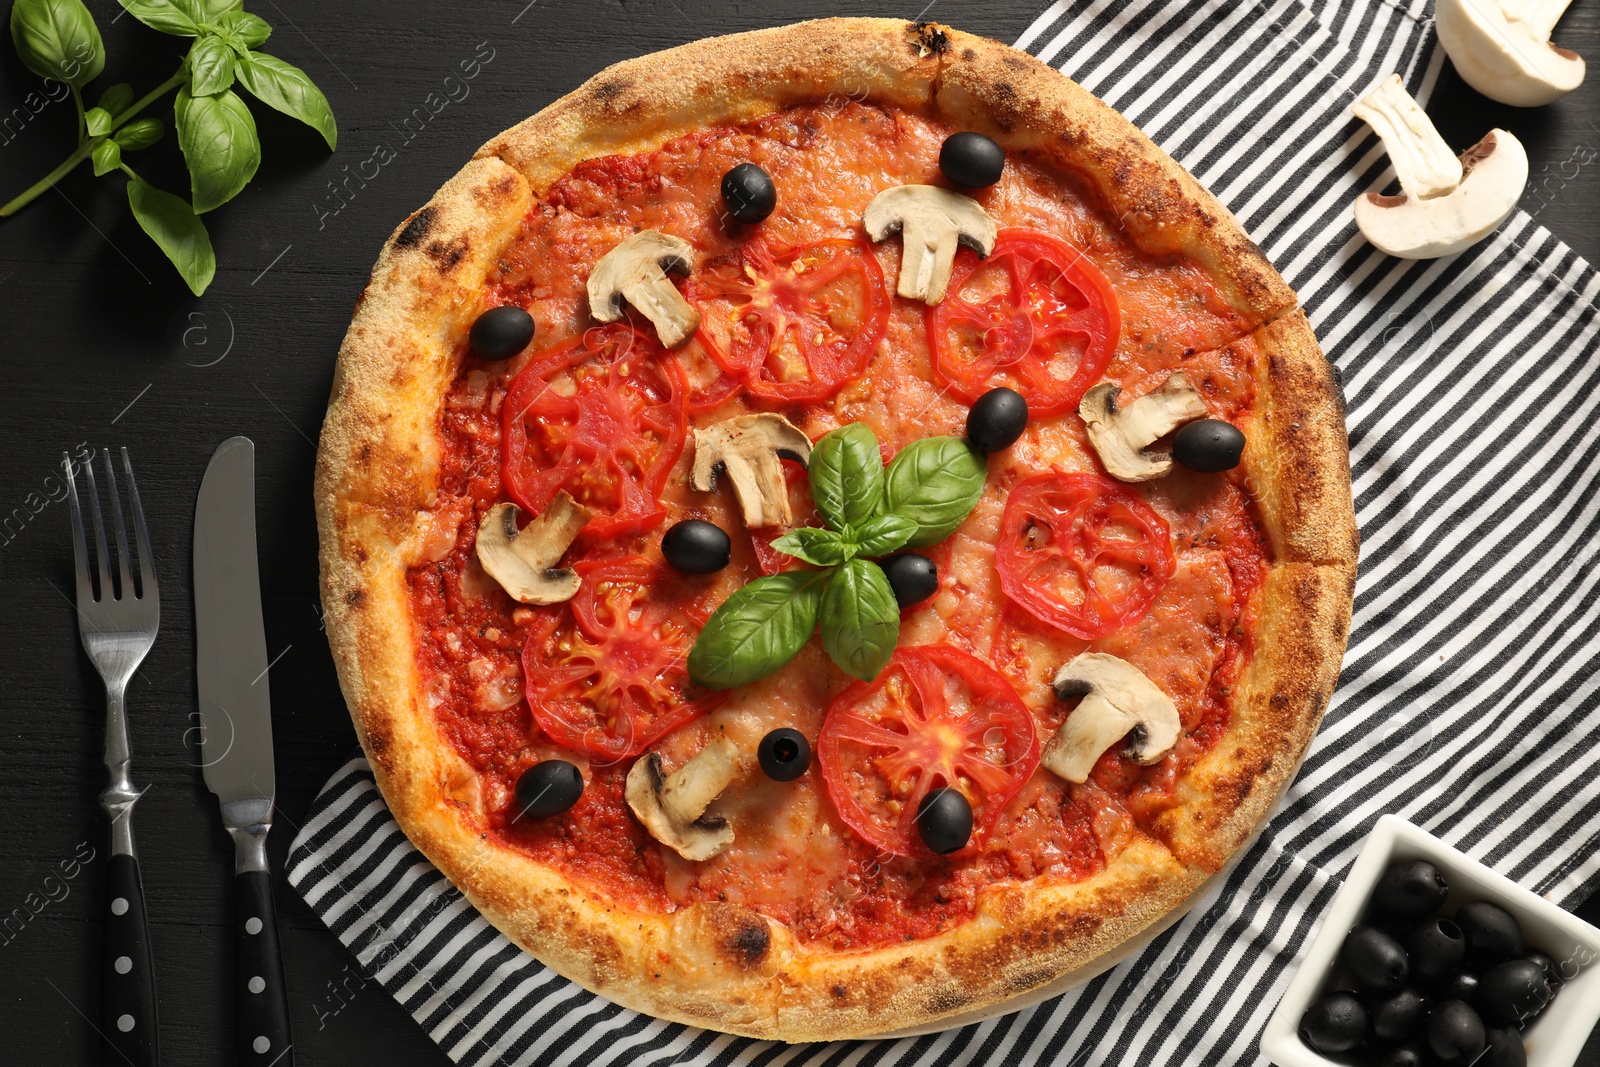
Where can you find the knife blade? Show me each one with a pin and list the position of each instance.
(236, 735)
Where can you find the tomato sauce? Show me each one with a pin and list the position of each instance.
(793, 858)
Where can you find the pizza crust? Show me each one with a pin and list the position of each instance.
(725, 966)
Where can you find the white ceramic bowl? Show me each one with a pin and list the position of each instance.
(1553, 1040)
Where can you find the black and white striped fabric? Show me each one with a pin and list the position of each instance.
(1468, 702)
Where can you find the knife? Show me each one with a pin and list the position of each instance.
(236, 736)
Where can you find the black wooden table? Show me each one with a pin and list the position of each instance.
(104, 346)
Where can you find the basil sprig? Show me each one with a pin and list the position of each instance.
(58, 39)
(926, 492)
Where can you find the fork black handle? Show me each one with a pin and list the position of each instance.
(263, 998)
(128, 979)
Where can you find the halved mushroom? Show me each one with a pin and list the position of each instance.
(635, 271)
(1449, 203)
(524, 562)
(749, 448)
(673, 806)
(1117, 700)
(1121, 436)
(1502, 49)
(932, 223)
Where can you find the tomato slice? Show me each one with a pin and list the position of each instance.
(1082, 553)
(605, 674)
(1036, 316)
(794, 324)
(601, 416)
(935, 716)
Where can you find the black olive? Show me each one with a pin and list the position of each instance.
(696, 547)
(1209, 446)
(1400, 1016)
(1335, 1023)
(1461, 985)
(1376, 959)
(1513, 991)
(1411, 1054)
(997, 419)
(913, 578)
(784, 754)
(1435, 949)
(1551, 969)
(749, 193)
(1491, 931)
(1455, 1033)
(1410, 891)
(944, 818)
(1504, 1049)
(548, 788)
(972, 160)
(501, 332)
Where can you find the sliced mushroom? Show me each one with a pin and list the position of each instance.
(749, 448)
(525, 562)
(1117, 700)
(1449, 203)
(635, 271)
(1121, 436)
(1502, 49)
(932, 222)
(673, 806)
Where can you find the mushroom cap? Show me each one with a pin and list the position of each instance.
(635, 271)
(748, 448)
(1505, 58)
(932, 223)
(672, 807)
(1496, 171)
(1118, 700)
(1121, 435)
(525, 562)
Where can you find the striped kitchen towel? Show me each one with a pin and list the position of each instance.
(1468, 701)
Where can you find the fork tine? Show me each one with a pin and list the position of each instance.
(147, 561)
(125, 589)
(102, 557)
(80, 550)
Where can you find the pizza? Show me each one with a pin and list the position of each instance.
(829, 531)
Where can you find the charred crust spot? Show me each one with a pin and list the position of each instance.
(448, 253)
(946, 999)
(608, 92)
(968, 54)
(416, 230)
(1014, 62)
(930, 39)
(749, 942)
(839, 992)
(356, 597)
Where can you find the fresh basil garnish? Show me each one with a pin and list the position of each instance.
(860, 619)
(883, 534)
(934, 482)
(58, 39)
(847, 476)
(825, 548)
(757, 630)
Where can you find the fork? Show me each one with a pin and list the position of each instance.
(118, 625)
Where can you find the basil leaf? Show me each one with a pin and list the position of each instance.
(218, 138)
(211, 64)
(209, 10)
(117, 98)
(97, 120)
(847, 476)
(825, 548)
(860, 619)
(286, 87)
(106, 155)
(140, 133)
(249, 31)
(163, 15)
(58, 39)
(757, 630)
(177, 229)
(934, 482)
(884, 534)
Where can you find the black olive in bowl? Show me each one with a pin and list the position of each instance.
(1376, 960)
(1335, 1023)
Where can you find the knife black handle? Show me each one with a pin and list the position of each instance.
(127, 982)
(263, 1023)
